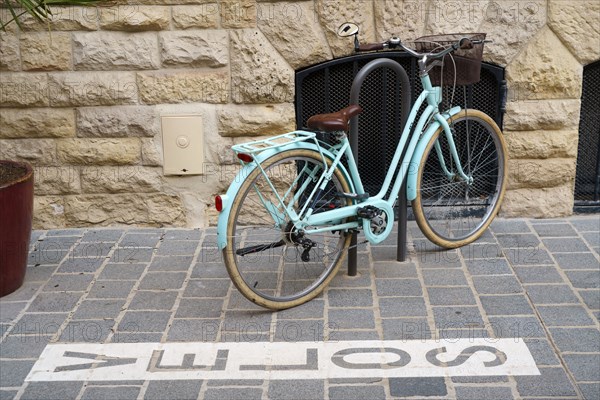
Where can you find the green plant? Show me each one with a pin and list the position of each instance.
(38, 9)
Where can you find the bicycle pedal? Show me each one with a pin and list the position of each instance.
(368, 212)
(353, 196)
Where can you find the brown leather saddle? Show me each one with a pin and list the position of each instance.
(337, 121)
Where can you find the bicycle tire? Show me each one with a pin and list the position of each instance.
(264, 277)
(449, 211)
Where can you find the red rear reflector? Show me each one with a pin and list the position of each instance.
(218, 203)
(245, 157)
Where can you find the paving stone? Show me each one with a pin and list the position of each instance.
(89, 265)
(509, 226)
(439, 296)
(342, 280)
(531, 255)
(199, 308)
(131, 255)
(296, 389)
(179, 389)
(577, 261)
(46, 256)
(591, 391)
(591, 298)
(240, 303)
(518, 240)
(299, 331)
(348, 318)
(372, 392)
(584, 367)
(7, 394)
(111, 289)
(132, 337)
(247, 321)
(57, 242)
(506, 305)
(54, 302)
(171, 263)
(490, 266)
(234, 382)
(478, 393)
(551, 294)
(102, 235)
(593, 238)
(144, 321)
(387, 269)
(444, 277)
(60, 232)
(57, 390)
(542, 352)
(554, 230)
(457, 317)
(517, 327)
(336, 335)
(406, 329)
(584, 279)
(497, 284)
(177, 247)
(541, 274)
(350, 297)
(398, 287)
(122, 271)
(210, 254)
(402, 307)
(564, 316)
(146, 300)
(384, 253)
(13, 372)
(140, 240)
(551, 382)
(110, 393)
(10, 310)
(233, 393)
(23, 346)
(438, 259)
(309, 310)
(39, 273)
(99, 309)
(477, 251)
(207, 288)
(68, 283)
(92, 250)
(583, 340)
(39, 324)
(87, 331)
(162, 280)
(587, 224)
(565, 245)
(422, 387)
(183, 234)
(202, 270)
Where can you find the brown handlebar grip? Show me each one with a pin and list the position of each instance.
(370, 47)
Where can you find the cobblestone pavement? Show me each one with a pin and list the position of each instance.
(533, 280)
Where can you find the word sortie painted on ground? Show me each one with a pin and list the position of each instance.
(280, 360)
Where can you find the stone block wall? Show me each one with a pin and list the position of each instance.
(83, 103)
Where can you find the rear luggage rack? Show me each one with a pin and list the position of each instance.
(273, 142)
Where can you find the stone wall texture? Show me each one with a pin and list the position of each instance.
(83, 103)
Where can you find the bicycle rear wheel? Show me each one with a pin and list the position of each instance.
(450, 211)
(270, 262)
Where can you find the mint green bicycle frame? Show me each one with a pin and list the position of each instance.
(429, 122)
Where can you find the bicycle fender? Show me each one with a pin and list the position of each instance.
(413, 169)
(247, 169)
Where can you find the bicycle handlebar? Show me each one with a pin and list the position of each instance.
(464, 44)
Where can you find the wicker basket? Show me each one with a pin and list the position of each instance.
(467, 62)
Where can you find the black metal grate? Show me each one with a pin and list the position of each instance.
(587, 179)
(326, 87)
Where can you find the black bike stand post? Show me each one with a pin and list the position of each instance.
(406, 103)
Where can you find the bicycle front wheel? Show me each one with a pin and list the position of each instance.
(450, 210)
(272, 263)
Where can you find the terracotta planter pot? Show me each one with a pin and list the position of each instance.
(16, 210)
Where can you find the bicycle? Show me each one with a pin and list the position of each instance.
(285, 222)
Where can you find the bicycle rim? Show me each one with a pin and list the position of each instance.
(451, 211)
(269, 261)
